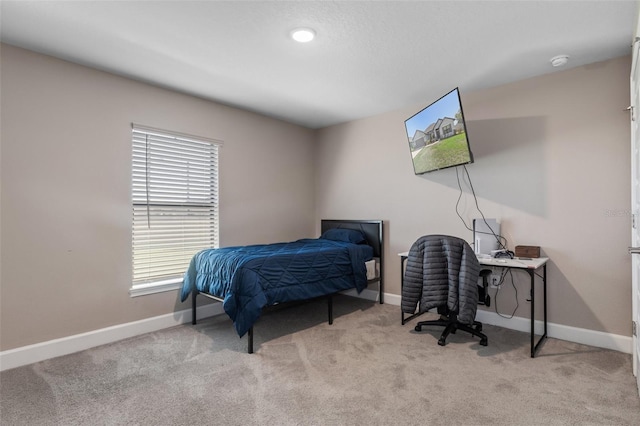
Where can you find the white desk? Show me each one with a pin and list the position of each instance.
(530, 266)
(520, 263)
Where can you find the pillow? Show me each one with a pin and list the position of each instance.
(346, 235)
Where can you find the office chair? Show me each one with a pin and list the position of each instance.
(442, 271)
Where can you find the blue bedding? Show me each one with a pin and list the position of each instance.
(249, 278)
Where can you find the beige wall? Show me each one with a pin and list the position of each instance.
(65, 176)
(551, 163)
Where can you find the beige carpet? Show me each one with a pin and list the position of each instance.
(366, 368)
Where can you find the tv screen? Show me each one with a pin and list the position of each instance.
(437, 135)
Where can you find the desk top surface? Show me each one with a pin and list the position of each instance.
(517, 262)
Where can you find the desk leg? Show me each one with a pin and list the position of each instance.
(532, 294)
(535, 346)
(544, 287)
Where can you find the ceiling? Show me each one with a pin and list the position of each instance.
(369, 57)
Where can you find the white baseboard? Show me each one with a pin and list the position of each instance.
(584, 336)
(392, 299)
(365, 294)
(54, 348)
(598, 339)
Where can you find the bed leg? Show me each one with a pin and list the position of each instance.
(330, 303)
(250, 341)
(193, 307)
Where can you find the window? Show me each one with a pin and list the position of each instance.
(175, 205)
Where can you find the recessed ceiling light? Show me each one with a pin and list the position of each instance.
(560, 60)
(303, 35)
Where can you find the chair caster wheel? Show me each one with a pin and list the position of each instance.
(418, 328)
(441, 341)
(483, 342)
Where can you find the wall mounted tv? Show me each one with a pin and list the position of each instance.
(437, 135)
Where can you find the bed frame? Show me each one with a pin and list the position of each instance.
(372, 229)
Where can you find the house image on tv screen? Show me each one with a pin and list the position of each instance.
(441, 129)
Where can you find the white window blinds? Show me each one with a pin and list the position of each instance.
(175, 202)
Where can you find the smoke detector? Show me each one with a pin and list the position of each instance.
(560, 60)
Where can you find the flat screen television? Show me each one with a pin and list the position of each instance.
(438, 136)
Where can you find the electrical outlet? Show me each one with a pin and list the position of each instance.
(494, 281)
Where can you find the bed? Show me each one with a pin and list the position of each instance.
(248, 279)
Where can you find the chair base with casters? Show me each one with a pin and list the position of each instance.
(449, 320)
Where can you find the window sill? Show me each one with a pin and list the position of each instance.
(155, 287)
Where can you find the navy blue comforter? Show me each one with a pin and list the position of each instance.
(249, 278)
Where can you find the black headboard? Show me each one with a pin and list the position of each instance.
(372, 229)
